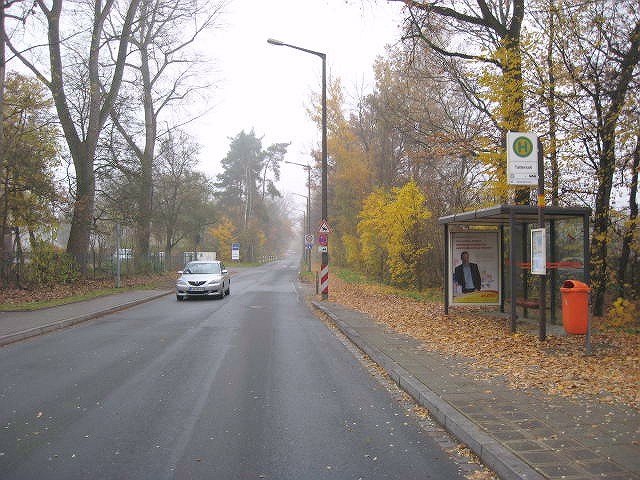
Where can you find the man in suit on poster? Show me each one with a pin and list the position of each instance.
(467, 275)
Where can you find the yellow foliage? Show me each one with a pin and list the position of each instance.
(223, 235)
(372, 233)
(349, 168)
(391, 230)
(504, 91)
(352, 250)
(622, 314)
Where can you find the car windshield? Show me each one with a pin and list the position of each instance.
(202, 268)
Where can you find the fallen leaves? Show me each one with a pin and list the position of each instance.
(558, 365)
(17, 296)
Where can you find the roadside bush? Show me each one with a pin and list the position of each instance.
(623, 314)
(49, 265)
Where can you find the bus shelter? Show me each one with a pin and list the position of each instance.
(497, 242)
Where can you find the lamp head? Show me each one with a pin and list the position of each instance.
(273, 41)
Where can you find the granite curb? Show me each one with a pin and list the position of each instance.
(494, 455)
(9, 338)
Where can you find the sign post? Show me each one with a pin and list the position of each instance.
(323, 240)
(308, 246)
(542, 327)
(525, 166)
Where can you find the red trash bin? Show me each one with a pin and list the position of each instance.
(575, 306)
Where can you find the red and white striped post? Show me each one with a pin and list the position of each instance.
(323, 240)
(324, 281)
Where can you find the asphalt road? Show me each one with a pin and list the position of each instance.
(246, 387)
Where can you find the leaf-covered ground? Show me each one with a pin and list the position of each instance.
(20, 296)
(558, 365)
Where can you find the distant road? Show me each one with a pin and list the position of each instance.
(250, 386)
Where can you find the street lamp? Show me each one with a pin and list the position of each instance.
(308, 169)
(324, 271)
(304, 222)
(307, 232)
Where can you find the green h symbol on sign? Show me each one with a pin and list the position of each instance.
(522, 146)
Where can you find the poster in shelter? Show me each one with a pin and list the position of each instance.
(474, 273)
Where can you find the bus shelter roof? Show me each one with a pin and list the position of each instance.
(504, 214)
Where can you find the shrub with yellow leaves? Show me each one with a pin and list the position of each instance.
(623, 314)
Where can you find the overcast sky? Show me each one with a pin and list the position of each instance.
(267, 88)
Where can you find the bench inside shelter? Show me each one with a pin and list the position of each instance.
(528, 303)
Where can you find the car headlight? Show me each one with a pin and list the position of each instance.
(181, 283)
(214, 283)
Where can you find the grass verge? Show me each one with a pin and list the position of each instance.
(15, 300)
(54, 302)
(427, 295)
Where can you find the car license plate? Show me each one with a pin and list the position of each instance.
(196, 289)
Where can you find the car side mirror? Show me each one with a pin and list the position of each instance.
(225, 271)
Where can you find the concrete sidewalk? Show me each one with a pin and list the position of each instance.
(518, 434)
(15, 326)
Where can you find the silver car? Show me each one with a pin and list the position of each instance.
(203, 279)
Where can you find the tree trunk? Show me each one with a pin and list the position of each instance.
(630, 228)
(5, 259)
(145, 194)
(606, 170)
(4, 255)
(551, 108)
(168, 250)
(513, 100)
(145, 211)
(19, 266)
(83, 208)
(600, 240)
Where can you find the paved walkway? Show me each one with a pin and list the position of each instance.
(15, 326)
(520, 435)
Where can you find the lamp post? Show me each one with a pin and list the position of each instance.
(308, 169)
(304, 222)
(324, 272)
(307, 231)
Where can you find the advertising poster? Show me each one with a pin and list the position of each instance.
(474, 273)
